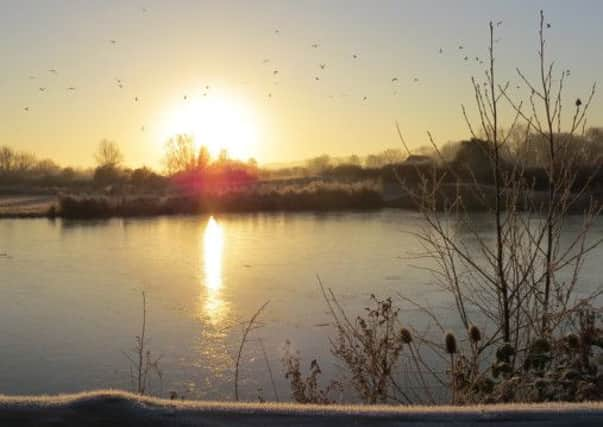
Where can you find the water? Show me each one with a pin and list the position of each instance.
(70, 294)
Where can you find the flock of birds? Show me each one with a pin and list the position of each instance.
(395, 80)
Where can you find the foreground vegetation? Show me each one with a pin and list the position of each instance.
(521, 329)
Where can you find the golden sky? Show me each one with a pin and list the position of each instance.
(131, 65)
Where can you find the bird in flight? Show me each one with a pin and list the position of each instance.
(441, 50)
(578, 102)
(71, 88)
(316, 78)
(355, 56)
(185, 97)
(315, 45)
(322, 66)
(113, 42)
(395, 79)
(135, 99)
(277, 32)
(26, 109)
(466, 58)
(416, 79)
(548, 25)
(52, 70)
(365, 98)
(42, 89)
(275, 72)
(461, 47)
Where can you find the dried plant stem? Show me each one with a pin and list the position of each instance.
(246, 331)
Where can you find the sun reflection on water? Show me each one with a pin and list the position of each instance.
(214, 306)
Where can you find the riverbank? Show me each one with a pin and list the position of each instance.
(319, 197)
(117, 408)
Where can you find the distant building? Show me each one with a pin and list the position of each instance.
(417, 159)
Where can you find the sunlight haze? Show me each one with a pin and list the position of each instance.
(138, 72)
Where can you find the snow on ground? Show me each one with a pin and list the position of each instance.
(117, 408)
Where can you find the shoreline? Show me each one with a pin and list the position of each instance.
(120, 408)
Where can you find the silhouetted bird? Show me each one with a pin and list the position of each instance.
(113, 42)
(477, 59)
(315, 45)
(461, 47)
(416, 79)
(365, 98)
(42, 89)
(135, 99)
(26, 108)
(578, 102)
(466, 58)
(185, 97)
(322, 66)
(207, 87)
(275, 72)
(269, 95)
(395, 79)
(355, 56)
(71, 88)
(52, 70)
(277, 32)
(548, 25)
(316, 78)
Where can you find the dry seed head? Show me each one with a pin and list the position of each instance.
(475, 334)
(406, 336)
(573, 341)
(450, 343)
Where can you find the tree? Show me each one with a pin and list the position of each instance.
(108, 154)
(203, 158)
(180, 155)
(319, 165)
(354, 160)
(392, 156)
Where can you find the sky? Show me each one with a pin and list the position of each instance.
(208, 68)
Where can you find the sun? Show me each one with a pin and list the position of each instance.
(219, 122)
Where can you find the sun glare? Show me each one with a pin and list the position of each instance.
(215, 121)
(213, 244)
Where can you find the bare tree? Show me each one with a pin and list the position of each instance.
(108, 154)
(517, 285)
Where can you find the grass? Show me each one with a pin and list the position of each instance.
(313, 197)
